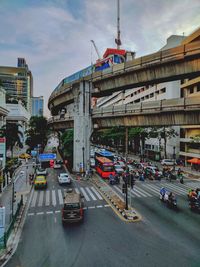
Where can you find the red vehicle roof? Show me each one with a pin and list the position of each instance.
(112, 51)
(104, 160)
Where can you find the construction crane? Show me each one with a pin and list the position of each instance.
(97, 51)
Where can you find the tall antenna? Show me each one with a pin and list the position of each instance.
(117, 40)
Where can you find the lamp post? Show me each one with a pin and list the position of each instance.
(83, 149)
(174, 157)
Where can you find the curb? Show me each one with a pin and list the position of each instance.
(14, 238)
(133, 215)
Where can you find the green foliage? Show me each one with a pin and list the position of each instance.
(67, 143)
(37, 132)
(12, 133)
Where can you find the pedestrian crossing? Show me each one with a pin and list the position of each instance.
(145, 190)
(54, 197)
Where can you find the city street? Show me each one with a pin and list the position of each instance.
(162, 238)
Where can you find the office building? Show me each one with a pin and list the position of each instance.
(37, 106)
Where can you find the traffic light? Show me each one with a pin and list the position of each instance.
(124, 188)
(14, 196)
(132, 180)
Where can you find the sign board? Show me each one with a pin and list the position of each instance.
(3, 151)
(47, 157)
(33, 153)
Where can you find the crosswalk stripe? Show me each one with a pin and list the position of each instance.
(118, 189)
(53, 197)
(183, 190)
(90, 193)
(193, 184)
(60, 197)
(84, 193)
(153, 190)
(97, 193)
(138, 192)
(171, 187)
(144, 192)
(47, 201)
(41, 195)
(34, 199)
(77, 191)
(135, 193)
(157, 190)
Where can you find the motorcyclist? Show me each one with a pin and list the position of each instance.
(162, 192)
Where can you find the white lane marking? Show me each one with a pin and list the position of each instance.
(53, 198)
(177, 190)
(151, 189)
(47, 202)
(141, 190)
(60, 197)
(91, 207)
(90, 193)
(84, 193)
(135, 193)
(97, 193)
(41, 198)
(33, 203)
(49, 212)
(192, 184)
(106, 205)
(55, 219)
(77, 191)
(178, 187)
(30, 214)
(100, 206)
(138, 192)
(118, 189)
(84, 208)
(57, 211)
(40, 213)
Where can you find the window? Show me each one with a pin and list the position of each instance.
(151, 95)
(191, 90)
(163, 90)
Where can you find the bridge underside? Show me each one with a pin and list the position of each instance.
(180, 117)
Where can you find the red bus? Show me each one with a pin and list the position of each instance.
(104, 167)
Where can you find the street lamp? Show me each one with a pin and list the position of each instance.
(83, 149)
(174, 157)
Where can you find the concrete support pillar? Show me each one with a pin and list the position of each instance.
(82, 127)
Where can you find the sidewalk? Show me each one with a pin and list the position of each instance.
(22, 188)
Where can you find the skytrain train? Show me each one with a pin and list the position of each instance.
(111, 57)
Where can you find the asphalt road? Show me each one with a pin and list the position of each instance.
(163, 237)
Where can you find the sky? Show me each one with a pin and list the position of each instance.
(54, 36)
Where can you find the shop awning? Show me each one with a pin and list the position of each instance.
(194, 161)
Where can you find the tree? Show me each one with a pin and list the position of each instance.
(37, 132)
(12, 133)
(67, 146)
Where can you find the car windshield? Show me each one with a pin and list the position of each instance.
(72, 206)
(40, 179)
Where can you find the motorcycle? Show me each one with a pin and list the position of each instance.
(168, 198)
(114, 180)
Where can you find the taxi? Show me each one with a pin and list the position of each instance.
(24, 156)
(40, 182)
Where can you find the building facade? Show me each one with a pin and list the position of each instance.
(37, 107)
(18, 83)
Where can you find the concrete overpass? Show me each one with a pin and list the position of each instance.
(168, 65)
(180, 111)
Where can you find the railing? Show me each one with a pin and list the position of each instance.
(150, 107)
(163, 56)
(4, 238)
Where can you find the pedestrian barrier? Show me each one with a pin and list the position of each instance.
(4, 238)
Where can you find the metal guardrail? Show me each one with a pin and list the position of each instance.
(4, 238)
(166, 105)
(177, 53)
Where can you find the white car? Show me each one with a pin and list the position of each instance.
(92, 163)
(64, 178)
(41, 172)
(168, 162)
